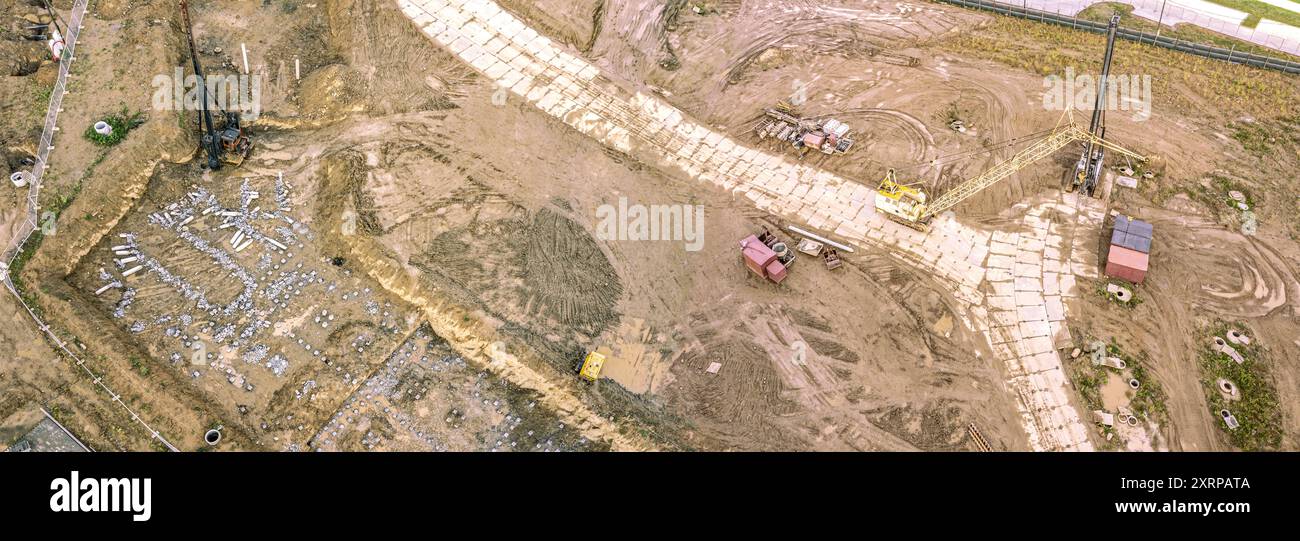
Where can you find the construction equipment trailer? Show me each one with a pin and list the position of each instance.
(828, 136)
(230, 144)
(766, 256)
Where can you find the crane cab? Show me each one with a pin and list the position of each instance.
(902, 203)
(235, 144)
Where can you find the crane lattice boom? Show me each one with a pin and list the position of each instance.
(1054, 141)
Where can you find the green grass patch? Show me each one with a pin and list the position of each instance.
(16, 270)
(1256, 408)
(1147, 402)
(41, 100)
(139, 366)
(56, 205)
(122, 124)
(1213, 194)
(1130, 286)
(1270, 138)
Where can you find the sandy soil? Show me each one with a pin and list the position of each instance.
(469, 225)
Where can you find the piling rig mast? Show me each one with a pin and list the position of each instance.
(911, 206)
(1087, 172)
(230, 145)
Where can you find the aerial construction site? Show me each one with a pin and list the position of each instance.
(682, 225)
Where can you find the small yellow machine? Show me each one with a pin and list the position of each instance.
(591, 366)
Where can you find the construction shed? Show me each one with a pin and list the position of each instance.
(1130, 249)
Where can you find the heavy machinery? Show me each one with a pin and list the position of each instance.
(229, 144)
(49, 29)
(1087, 172)
(595, 360)
(766, 256)
(910, 206)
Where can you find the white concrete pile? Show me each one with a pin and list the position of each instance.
(282, 193)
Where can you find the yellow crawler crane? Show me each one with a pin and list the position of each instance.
(909, 205)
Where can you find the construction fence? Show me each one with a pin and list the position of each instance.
(1208, 51)
(29, 225)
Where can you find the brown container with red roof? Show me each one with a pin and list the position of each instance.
(1130, 249)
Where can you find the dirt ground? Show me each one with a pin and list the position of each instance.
(448, 239)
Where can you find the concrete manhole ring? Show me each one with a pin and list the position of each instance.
(20, 179)
(1134, 383)
(212, 437)
(1228, 388)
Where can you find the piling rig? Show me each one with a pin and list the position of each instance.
(1087, 172)
(230, 144)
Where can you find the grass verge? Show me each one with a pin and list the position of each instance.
(1259, 10)
(122, 123)
(1256, 406)
(1147, 402)
(1130, 286)
(1179, 81)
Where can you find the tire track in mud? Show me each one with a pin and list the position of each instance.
(920, 142)
(816, 29)
(1263, 280)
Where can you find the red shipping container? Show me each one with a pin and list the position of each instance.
(1127, 264)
